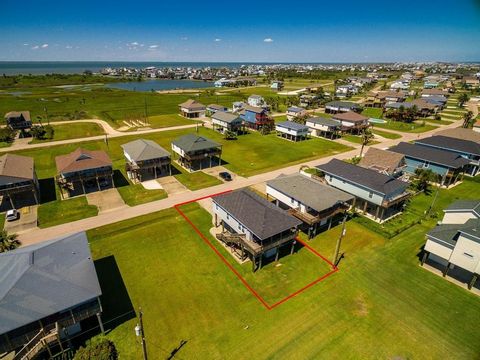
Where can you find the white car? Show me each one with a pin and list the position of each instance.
(12, 215)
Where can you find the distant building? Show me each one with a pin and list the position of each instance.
(237, 106)
(383, 161)
(197, 152)
(277, 85)
(256, 100)
(192, 109)
(454, 244)
(18, 120)
(351, 121)
(334, 107)
(325, 127)
(255, 117)
(291, 130)
(295, 112)
(213, 108)
(225, 121)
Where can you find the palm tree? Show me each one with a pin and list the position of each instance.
(8, 242)
(367, 135)
(467, 119)
(423, 178)
(463, 98)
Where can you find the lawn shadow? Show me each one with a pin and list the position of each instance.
(119, 180)
(177, 349)
(284, 251)
(48, 192)
(116, 304)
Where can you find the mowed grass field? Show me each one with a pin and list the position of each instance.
(380, 304)
(73, 131)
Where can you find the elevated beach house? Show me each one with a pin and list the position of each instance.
(325, 127)
(256, 100)
(197, 152)
(47, 292)
(192, 109)
(255, 117)
(18, 120)
(384, 161)
(334, 107)
(291, 130)
(377, 195)
(146, 160)
(351, 121)
(83, 171)
(454, 244)
(294, 112)
(226, 121)
(312, 202)
(467, 149)
(213, 108)
(252, 227)
(18, 182)
(447, 165)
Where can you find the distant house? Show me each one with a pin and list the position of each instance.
(225, 121)
(447, 165)
(309, 100)
(213, 108)
(351, 121)
(221, 83)
(378, 195)
(48, 291)
(192, 109)
(383, 161)
(276, 85)
(237, 106)
(334, 107)
(256, 100)
(379, 99)
(320, 126)
(424, 108)
(291, 130)
(431, 84)
(400, 85)
(84, 171)
(255, 117)
(343, 91)
(146, 160)
(466, 148)
(295, 112)
(18, 181)
(252, 227)
(197, 152)
(461, 133)
(312, 202)
(434, 92)
(18, 120)
(454, 244)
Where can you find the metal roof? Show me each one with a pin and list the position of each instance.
(40, 280)
(226, 117)
(292, 126)
(309, 192)
(261, 217)
(192, 142)
(141, 150)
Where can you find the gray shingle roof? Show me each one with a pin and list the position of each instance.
(425, 153)
(368, 178)
(226, 117)
(192, 142)
(141, 150)
(292, 125)
(43, 279)
(324, 121)
(310, 192)
(449, 233)
(466, 205)
(257, 214)
(343, 104)
(449, 143)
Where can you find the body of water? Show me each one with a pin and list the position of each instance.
(149, 85)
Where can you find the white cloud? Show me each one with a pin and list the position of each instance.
(35, 47)
(153, 46)
(217, 40)
(25, 44)
(184, 38)
(69, 47)
(134, 43)
(268, 40)
(44, 46)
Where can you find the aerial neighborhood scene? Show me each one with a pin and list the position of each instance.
(179, 183)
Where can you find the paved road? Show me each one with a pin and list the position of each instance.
(38, 235)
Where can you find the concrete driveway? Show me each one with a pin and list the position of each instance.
(26, 222)
(106, 200)
(172, 186)
(214, 171)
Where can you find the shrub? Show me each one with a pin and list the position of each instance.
(98, 348)
(7, 135)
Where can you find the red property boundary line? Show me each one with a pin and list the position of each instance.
(237, 274)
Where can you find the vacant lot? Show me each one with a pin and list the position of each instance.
(73, 131)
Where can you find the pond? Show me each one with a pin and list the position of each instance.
(149, 85)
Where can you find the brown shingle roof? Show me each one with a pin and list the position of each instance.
(350, 116)
(382, 160)
(16, 114)
(462, 133)
(82, 159)
(17, 166)
(192, 105)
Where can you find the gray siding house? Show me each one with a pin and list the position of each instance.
(377, 195)
(197, 152)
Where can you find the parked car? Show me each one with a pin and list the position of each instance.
(12, 215)
(225, 176)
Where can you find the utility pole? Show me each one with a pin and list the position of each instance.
(339, 241)
(46, 115)
(146, 110)
(139, 332)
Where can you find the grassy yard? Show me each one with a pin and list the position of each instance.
(73, 131)
(378, 305)
(357, 139)
(136, 194)
(387, 135)
(376, 113)
(404, 127)
(161, 121)
(64, 211)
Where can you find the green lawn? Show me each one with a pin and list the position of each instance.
(404, 127)
(136, 194)
(387, 135)
(379, 305)
(376, 113)
(161, 121)
(73, 131)
(357, 139)
(64, 211)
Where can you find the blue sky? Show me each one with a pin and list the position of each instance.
(305, 31)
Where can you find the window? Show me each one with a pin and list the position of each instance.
(330, 177)
(370, 195)
(426, 164)
(468, 255)
(228, 217)
(292, 201)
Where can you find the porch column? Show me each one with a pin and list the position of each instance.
(155, 170)
(260, 261)
(383, 213)
(11, 201)
(330, 223)
(170, 169)
(424, 257)
(83, 186)
(215, 220)
(473, 281)
(35, 195)
(445, 271)
(365, 207)
(376, 212)
(276, 255)
(98, 183)
(293, 246)
(100, 323)
(254, 263)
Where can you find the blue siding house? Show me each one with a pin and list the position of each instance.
(448, 165)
